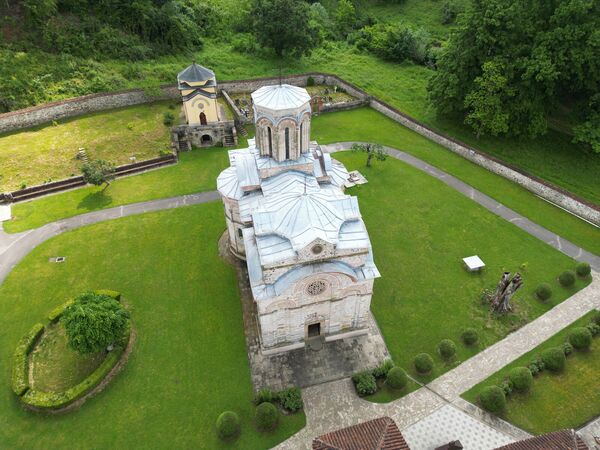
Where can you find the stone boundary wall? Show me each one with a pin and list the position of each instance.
(97, 102)
(38, 115)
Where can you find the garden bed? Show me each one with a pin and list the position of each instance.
(555, 400)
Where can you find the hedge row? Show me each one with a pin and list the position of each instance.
(20, 374)
(54, 400)
(57, 400)
(289, 399)
(553, 359)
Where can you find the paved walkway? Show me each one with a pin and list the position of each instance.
(334, 405)
(561, 244)
(14, 247)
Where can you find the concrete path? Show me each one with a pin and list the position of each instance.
(14, 247)
(561, 244)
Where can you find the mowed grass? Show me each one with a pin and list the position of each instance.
(555, 401)
(48, 152)
(420, 230)
(196, 171)
(55, 367)
(189, 361)
(366, 124)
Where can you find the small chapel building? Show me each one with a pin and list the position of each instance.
(307, 249)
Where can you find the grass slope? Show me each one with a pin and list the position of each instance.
(556, 401)
(49, 152)
(189, 361)
(420, 229)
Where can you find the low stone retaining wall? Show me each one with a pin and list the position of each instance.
(73, 182)
(81, 105)
(48, 112)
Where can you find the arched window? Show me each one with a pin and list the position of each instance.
(270, 142)
(287, 143)
(301, 136)
(202, 118)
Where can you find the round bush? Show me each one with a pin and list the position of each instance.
(594, 328)
(364, 383)
(492, 399)
(596, 318)
(470, 336)
(447, 348)
(521, 378)
(228, 425)
(567, 348)
(583, 269)
(267, 416)
(580, 338)
(554, 359)
(423, 363)
(567, 278)
(396, 378)
(543, 291)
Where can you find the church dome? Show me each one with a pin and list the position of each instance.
(280, 97)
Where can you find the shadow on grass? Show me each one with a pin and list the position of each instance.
(95, 200)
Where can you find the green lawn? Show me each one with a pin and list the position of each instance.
(49, 152)
(189, 361)
(196, 171)
(366, 124)
(555, 401)
(56, 367)
(420, 229)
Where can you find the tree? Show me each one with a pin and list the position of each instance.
(510, 63)
(372, 150)
(345, 16)
(93, 322)
(98, 172)
(284, 26)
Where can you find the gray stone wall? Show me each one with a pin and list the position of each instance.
(552, 194)
(37, 115)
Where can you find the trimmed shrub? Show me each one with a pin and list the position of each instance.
(57, 312)
(112, 294)
(364, 383)
(554, 359)
(264, 395)
(446, 348)
(543, 291)
(383, 369)
(20, 373)
(594, 328)
(507, 387)
(567, 278)
(470, 336)
(228, 425)
(291, 399)
(567, 348)
(396, 378)
(580, 338)
(583, 269)
(168, 118)
(521, 378)
(267, 416)
(596, 318)
(423, 363)
(492, 399)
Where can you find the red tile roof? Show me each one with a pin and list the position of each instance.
(377, 434)
(557, 440)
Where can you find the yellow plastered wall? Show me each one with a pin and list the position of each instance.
(200, 104)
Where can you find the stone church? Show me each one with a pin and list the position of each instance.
(307, 249)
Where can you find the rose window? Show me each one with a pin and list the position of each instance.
(316, 287)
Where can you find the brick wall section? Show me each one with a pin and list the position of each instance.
(97, 102)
